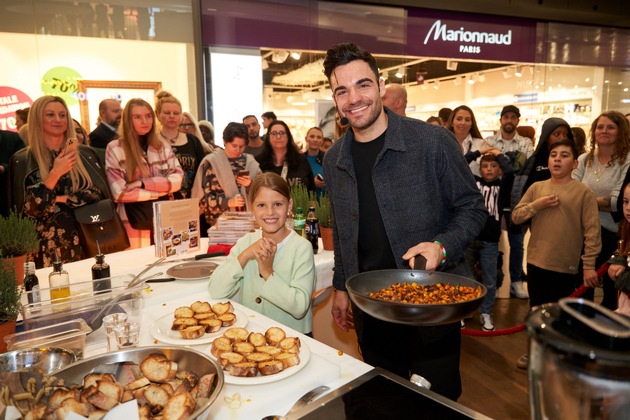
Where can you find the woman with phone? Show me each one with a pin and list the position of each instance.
(281, 155)
(53, 176)
(224, 176)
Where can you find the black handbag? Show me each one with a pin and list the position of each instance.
(100, 222)
(140, 214)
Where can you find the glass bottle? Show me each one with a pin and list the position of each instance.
(31, 283)
(100, 270)
(299, 223)
(312, 229)
(59, 281)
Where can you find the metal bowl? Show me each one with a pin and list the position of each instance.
(41, 359)
(187, 359)
(361, 285)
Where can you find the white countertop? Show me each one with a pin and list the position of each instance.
(325, 367)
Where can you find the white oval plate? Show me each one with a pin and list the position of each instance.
(193, 270)
(305, 356)
(161, 330)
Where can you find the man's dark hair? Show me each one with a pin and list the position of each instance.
(345, 53)
(566, 142)
(233, 130)
(249, 116)
(488, 157)
(445, 113)
(269, 114)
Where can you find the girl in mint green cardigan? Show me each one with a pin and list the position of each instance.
(273, 268)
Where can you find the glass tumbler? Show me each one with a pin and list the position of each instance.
(127, 335)
(109, 322)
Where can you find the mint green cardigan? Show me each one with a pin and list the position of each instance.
(286, 295)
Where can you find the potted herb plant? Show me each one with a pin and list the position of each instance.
(324, 215)
(10, 300)
(18, 237)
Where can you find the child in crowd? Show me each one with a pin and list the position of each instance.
(618, 269)
(564, 226)
(494, 183)
(273, 268)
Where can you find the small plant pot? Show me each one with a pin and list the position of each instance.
(6, 328)
(327, 238)
(18, 267)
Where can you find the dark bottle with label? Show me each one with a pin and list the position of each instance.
(100, 270)
(31, 283)
(312, 229)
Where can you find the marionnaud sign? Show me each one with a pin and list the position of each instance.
(457, 35)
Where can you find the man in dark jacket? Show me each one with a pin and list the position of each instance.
(110, 113)
(399, 188)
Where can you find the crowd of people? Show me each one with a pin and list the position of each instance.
(455, 193)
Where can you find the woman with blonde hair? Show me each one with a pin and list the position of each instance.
(141, 168)
(54, 176)
(187, 148)
(189, 125)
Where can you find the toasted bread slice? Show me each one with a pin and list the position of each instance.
(220, 345)
(168, 387)
(257, 339)
(259, 357)
(227, 319)
(205, 315)
(181, 323)
(157, 397)
(245, 369)
(211, 325)
(72, 405)
(127, 396)
(275, 335)
(289, 342)
(229, 358)
(288, 359)
(99, 399)
(91, 378)
(180, 406)
(144, 411)
(191, 333)
(272, 350)
(60, 395)
(138, 383)
(201, 307)
(184, 312)
(205, 385)
(157, 368)
(243, 347)
(97, 414)
(221, 308)
(111, 389)
(270, 368)
(236, 334)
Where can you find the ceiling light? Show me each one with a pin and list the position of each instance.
(451, 65)
(296, 55)
(518, 72)
(401, 72)
(436, 85)
(625, 89)
(471, 80)
(482, 78)
(508, 72)
(457, 81)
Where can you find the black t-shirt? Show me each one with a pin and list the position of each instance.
(375, 252)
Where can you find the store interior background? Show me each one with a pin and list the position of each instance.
(155, 41)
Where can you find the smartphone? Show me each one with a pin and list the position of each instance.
(72, 144)
(320, 177)
(243, 173)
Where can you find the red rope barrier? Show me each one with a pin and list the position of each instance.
(521, 327)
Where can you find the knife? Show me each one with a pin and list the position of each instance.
(195, 258)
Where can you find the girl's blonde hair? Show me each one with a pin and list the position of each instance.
(131, 141)
(78, 174)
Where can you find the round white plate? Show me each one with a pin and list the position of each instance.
(161, 330)
(305, 356)
(193, 270)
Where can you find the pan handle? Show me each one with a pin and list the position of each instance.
(420, 263)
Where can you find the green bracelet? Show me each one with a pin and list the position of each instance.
(443, 252)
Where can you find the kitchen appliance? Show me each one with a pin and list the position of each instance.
(579, 361)
(361, 285)
(379, 394)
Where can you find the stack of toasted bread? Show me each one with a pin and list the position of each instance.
(244, 353)
(200, 318)
(163, 391)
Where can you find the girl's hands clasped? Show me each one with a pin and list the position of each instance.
(263, 251)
